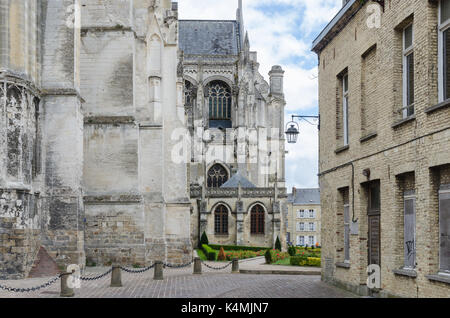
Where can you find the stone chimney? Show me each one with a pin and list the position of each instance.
(276, 80)
(294, 192)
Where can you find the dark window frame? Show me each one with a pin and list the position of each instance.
(221, 220)
(217, 175)
(257, 222)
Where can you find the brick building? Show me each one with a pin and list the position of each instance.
(303, 217)
(385, 146)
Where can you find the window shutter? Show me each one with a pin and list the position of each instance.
(410, 231)
(444, 230)
(347, 232)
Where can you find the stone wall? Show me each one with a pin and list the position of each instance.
(402, 155)
(20, 229)
(239, 220)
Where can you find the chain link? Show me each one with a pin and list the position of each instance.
(96, 277)
(137, 271)
(26, 290)
(178, 266)
(131, 271)
(217, 268)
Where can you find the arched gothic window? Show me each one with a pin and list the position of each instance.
(219, 102)
(221, 220)
(257, 220)
(217, 175)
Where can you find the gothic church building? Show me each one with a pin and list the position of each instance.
(91, 93)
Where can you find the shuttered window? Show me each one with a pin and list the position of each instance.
(374, 218)
(409, 242)
(444, 229)
(347, 232)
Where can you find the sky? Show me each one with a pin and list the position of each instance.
(281, 32)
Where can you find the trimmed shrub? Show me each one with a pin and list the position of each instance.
(221, 256)
(211, 256)
(204, 239)
(278, 244)
(302, 260)
(237, 248)
(268, 257)
(292, 250)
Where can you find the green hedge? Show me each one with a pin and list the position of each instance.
(305, 261)
(237, 248)
(211, 254)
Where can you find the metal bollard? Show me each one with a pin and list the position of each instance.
(65, 290)
(197, 266)
(235, 266)
(116, 276)
(158, 275)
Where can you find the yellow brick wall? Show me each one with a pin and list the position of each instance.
(419, 148)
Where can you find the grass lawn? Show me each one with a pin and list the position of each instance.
(283, 262)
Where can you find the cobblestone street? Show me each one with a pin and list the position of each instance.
(180, 283)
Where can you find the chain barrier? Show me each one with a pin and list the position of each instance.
(131, 271)
(26, 290)
(137, 271)
(217, 268)
(96, 277)
(178, 266)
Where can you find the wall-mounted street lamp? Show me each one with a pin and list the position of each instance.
(293, 129)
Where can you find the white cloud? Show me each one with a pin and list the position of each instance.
(282, 36)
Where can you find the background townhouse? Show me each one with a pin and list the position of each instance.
(303, 217)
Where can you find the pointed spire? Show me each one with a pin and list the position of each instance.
(240, 19)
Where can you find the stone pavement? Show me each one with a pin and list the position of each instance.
(180, 283)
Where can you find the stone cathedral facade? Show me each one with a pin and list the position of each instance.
(236, 170)
(91, 93)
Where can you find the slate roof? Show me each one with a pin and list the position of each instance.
(234, 182)
(209, 37)
(305, 196)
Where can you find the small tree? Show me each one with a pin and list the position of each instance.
(278, 244)
(221, 256)
(204, 239)
(268, 257)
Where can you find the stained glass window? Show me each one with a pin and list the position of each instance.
(219, 103)
(217, 176)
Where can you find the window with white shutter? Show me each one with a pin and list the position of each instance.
(300, 214)
(409, 242)
(311, 214)
(301, 226)
(444, 229)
